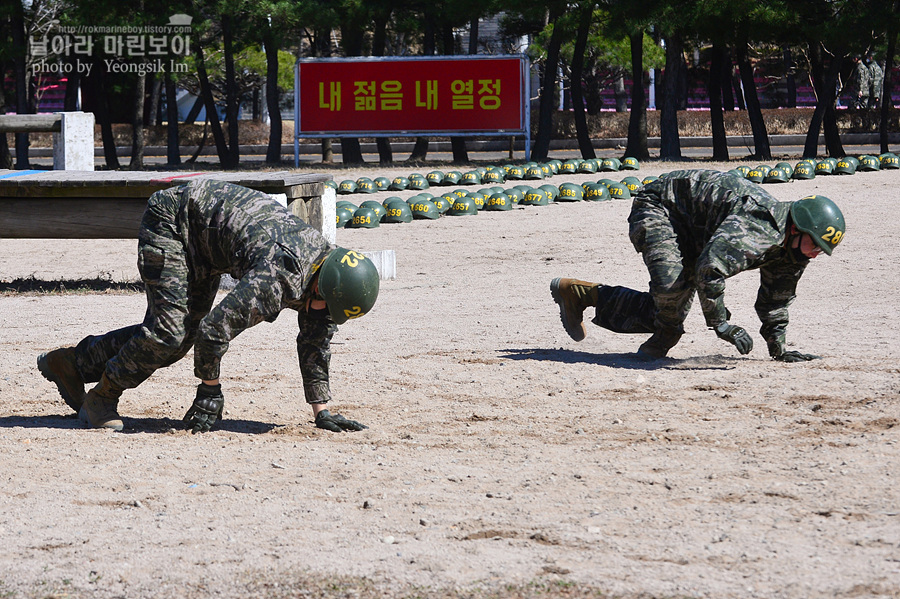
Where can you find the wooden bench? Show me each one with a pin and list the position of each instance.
(73, 136)
(109, 205)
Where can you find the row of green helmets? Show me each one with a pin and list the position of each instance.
(486, 175)
(460, 202)
(809, 168)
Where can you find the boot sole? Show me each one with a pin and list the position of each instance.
(578, 333)
(48, 374)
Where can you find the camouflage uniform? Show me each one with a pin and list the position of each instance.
(696, 228)
(860, 82)
(876, 75)
(189, 237)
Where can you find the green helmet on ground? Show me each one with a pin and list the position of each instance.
(786, 167)
(364, 218)
(348, 282)
(743, 168)
(545, 168)
(434, 177)
(478, 198)
(471, 178)
(630, 164)
(777, 175)
(382, 183)
(869, 163)
(844, 166)
(854, 160)
(610, 165)
(462, 207)
(331, 184)
(804, 171)
(425, 209)
(399, 184)
(398, 212)
(587, 167)
(756, 175)
(515, 194)
(365, 185)
(570, 192)
(347, 186)
(824, 168)
(606, 182)
(515, 172)
(498, 201)
(346, 204)
(376, 207)
(632, 183)
(551, 190)
(418, 183)
(821, 219)
(554, 165)
(619, 191)
(569, 167)
(442, 203)
(889, 161)
(652, 178)
(343, 215)
(391, 200)
(535, 197)
(452, 178)
(460, 193)
(534, 172)
(596, 192)
(493, 176)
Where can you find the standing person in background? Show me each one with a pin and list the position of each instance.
(876, 78)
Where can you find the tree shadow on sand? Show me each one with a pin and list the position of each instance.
(630, 361)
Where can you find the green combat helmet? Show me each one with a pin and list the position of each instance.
(844, 166)
(347, 186)
(442, 203)
(348, 282)
(391, 200)
(869, 163)
(434, 177)
(610, 165)
(777, 175)
(826, 167)
(596, 192)
(619, 192)
(343, 215)
(569, 167)
(515, 172)
(821, 219)
(364, 218)
(804, 171)
(498, 201)
(382, 183)
(377, 208)
(652, 178)
(460, 193)
(756, 175)
(515, 194)
(786, 167)
(452, 178)
(478, 198)
(630, 164)
(632, 183)
(365, 185)
(535, 197)
(554, 165)
(570, 192)
(854, 160)
(493, 176)
(471, 178)
(743, 168)
(331, 184)
(587, 167)
(534, 172)
(552, 191)
(462, 207)
(425, 209)
(346, 204)
(399, 184)
(398, 212)
(889, 161)
(418, 183)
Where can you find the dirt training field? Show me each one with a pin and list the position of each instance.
(502, 458)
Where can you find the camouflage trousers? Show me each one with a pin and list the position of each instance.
(177, 300)
(672, 287)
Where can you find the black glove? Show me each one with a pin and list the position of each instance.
(795, 356)
(337, 423)
(207, 408)
(735, 335)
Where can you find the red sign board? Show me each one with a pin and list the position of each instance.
(411, 95)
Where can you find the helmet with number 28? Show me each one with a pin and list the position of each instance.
(819, 217)
(348, 282)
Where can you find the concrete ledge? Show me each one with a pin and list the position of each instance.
(385, 263)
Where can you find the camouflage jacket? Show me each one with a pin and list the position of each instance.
(725, 225)
(272, 254)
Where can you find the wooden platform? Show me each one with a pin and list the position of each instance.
(109, 205)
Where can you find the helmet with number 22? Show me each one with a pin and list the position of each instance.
(348, 282)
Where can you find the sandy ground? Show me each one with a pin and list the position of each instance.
(502, 458)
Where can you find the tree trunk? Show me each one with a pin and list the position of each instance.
(637, 121)
(327, 151)
(18, 36)
(6, 161)
(754, 111)
(727, 89)
(70, 103)
(231, 96)
(887, 90)
(824, 82)
(273, 151)
(473, 36)
(351, 151)
(716, 117)
(152, 114)
(548, 88)
(137, 125)
(620, 94)
(102, 114)
(420, 149)
(212, 116)
(581, 129)
(173, 153)
(669, 142)
(832, 134)
(791, 80)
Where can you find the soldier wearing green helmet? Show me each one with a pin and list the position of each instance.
(190, 235)
(695, 229)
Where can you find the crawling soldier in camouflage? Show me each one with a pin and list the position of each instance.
(189, 237)
(696, 228)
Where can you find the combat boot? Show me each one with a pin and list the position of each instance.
(100, 403)
(659, 344)
(573, 297)
(58, 367)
